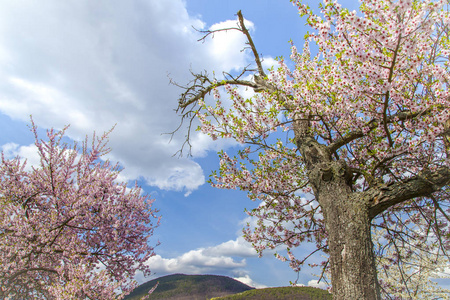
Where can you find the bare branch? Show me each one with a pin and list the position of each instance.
(202, 84)
(251, 44)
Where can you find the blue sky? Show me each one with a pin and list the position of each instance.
(93, 64)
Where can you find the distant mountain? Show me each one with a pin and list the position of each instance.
(189, 287)
(284, 293)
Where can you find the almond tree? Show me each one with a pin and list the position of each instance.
(68, 230)
(406, 274)
(366, 136)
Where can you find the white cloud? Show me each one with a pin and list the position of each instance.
(248, 281)
(269, 62)
(228, 45)
(10, 150)
(203, 143)
(37, 96)
(177, 174)
(227, 259)
(94, 64)
(315, 283)
(238, 247)
(194, 262)
(28, 153)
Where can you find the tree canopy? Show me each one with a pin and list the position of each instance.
(366, 145)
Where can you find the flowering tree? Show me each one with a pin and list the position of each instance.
(367, 145)
(67, 229)
(406, 274)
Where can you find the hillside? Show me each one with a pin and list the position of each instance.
(190, 287)
(285, 293)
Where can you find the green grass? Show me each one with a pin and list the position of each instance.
(300, 293)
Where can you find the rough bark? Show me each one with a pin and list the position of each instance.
(353, 268)
(350, 246)
(347, 221)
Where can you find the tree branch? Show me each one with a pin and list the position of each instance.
(422, 185)
(353, 135)
(185, 100)
(201, 85)
(251, 44)
(11, 279)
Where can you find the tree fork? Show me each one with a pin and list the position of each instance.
(347, 221)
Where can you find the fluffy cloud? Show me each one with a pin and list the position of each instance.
(229, 45)
(315, 283)
(227, 259)
(248, 281)
(238, 247)
(28, 153)
(96, 64)
(195, 262)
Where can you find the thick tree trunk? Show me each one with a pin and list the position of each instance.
(347, 221)
(348, 214)
(353, 270)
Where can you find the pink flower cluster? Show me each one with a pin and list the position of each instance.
(68, 230)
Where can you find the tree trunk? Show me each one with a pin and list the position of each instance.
(353, 269)
(347, 221)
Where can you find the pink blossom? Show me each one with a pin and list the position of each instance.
(67, 228)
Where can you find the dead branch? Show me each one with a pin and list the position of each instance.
(202, 83)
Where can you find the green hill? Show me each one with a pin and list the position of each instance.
(189, 287)
(285, 293)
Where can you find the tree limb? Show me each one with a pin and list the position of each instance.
(201, 85)
(421, 185)
(200, 94)
(251, 44)
(353, 135)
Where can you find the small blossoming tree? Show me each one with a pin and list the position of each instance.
(68, 230)
(366, 145)
(406, 274)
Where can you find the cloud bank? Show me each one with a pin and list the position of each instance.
(228, 258)
(93, 64)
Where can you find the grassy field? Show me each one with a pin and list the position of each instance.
(285, 293)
